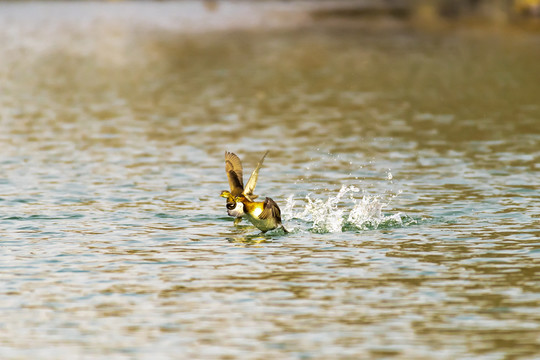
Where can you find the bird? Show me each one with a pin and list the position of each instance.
(234, 171)
(264, 215)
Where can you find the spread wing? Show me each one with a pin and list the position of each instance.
(252, 182)
(233, 168)
(270, 209)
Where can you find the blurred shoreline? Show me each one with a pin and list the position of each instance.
(111, 30)
(211, 15)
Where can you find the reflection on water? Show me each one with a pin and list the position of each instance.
(406, 166)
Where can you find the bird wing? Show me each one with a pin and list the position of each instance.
(233, 168)
(252, 182)
(270, 209)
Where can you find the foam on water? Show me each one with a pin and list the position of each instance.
(344, 211)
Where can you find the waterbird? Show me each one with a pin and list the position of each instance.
(265, 215)
(234, 171)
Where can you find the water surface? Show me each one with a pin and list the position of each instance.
(406, 166)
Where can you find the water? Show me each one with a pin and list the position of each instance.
(406, 166)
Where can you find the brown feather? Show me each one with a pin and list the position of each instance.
(270, 210)
(233, 168)
(252, 182)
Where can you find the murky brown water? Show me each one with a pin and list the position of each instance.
(114, 242)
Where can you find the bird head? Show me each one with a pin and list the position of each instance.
(226, 194)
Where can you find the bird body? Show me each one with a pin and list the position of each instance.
(264, 215)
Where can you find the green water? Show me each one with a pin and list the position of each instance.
(114, 242)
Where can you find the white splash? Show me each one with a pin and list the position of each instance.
(341, 211)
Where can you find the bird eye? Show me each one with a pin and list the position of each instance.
(230, 205)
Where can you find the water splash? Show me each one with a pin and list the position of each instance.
(344, 211)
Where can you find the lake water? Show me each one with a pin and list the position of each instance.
(406, 165)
